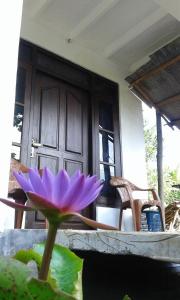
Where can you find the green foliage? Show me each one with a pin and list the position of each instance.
(26, 256)
(41, 290)
(64, 280)
(13, 275)
(126, 297)
(66, 269)
(150, 143)
(170, 177)
(16, 283)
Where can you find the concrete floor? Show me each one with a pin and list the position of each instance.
(109, 277)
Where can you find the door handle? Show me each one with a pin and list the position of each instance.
(34, 145)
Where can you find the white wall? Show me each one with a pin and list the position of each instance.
(172, 7)
(10, 21)
(133, 151)
(130, 108)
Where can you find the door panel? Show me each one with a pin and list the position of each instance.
(50, 161)
(72, 166)
(59, 122)
(49, 117)
(73, 124)
(76, 131)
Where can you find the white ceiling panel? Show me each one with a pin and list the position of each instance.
(146, 43)
(116, 22)
(124, 31)
(63, 15)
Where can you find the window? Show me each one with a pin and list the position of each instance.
(106, 146)
(18, 114)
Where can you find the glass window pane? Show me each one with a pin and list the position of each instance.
(106, 116)
(18, 123)
(15, 152)
(20, 85)
(105, 174)
(106, 146)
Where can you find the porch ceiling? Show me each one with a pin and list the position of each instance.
(122, 31)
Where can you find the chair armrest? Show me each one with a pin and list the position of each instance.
(152, 190)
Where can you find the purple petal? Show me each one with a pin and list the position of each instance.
(88, 199)
(47, 180)
(23, 181)
(86, 184)
(92, 178)
(60, 187)
(91, 183)
(41, 202)
(76, 175)
(73, 192)
(36, 182)
(90, 186)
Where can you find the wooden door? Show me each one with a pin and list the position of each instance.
(59, 124)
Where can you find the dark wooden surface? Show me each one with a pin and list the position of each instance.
(59, 122)
(68, 128)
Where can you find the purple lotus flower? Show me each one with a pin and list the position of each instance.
(58, 196)
(61, 192)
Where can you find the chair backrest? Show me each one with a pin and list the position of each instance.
(15, 165)
(124, 189)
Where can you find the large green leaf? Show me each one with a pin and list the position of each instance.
(42, 290)
(16, 284)
(26, 256)
(126, 297)
(13, 276)
(66, 268)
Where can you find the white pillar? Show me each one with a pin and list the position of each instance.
(10, 23)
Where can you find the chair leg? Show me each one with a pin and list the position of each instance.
(162, 214)
(46, 224)
(18, 219)
(19, 214)
(120, 218)
(137, 207)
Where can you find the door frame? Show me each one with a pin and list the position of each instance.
(37, 59)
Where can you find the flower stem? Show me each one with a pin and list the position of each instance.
(52, 230)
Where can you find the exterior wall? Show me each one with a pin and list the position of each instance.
(133, 150)
(10, 21)
(130, 108)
